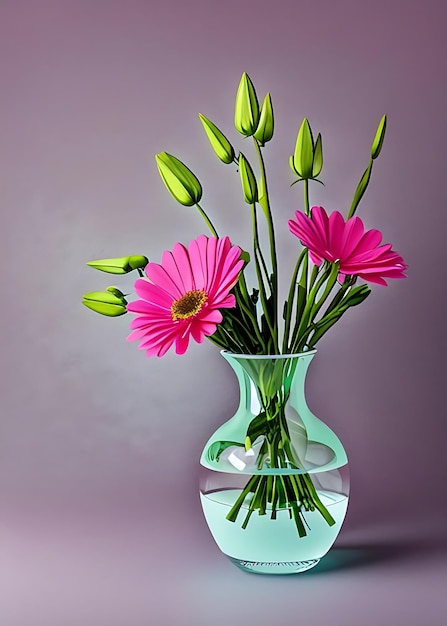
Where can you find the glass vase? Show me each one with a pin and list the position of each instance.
(274, 480)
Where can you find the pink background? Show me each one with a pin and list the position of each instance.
(100, 521)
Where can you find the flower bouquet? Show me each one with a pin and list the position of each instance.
(200, 290)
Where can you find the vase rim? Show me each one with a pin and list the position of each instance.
(285, 355)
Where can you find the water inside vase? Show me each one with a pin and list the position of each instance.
(268, 539)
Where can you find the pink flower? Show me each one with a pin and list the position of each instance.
(358, 252)
(184, 294)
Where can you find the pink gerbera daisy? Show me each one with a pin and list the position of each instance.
(359, 253)
(184, 294)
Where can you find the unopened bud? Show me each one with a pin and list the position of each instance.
(264, 131)
(220, 144)
(121, 265)
(116, 292)
(302, 159)
(317, 164)
(105, 303)
(246, 113)
(248, 180)
(378, 139)
(181, 183)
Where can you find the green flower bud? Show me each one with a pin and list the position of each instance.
(304, 151)
(246, 114)
(138, 262)
(264, 131)
(378, 139)
(317, 164)
(248, 180)
(222, 147)
(105, 303)
(122, 265)
(117, 292)
(292, 166)
(181, 183)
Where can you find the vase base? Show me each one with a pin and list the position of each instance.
(274, 567)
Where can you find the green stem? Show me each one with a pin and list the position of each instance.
(207, 220)
(250, 486)
(242, 285)
(330, 285)
(339, 295)
(262, 292)
(297, 518)
(250, 333)
(274, 499)
(257, 247)
(290, 301)
(316, 500)
(254, 326)
(303, 287)
(306, 495)
(313, 276)
(331, 314)
(265, 204)
(254, 501)
(229, 341)
(306, 196)
(302, 326)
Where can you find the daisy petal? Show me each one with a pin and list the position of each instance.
(359, 253)
(183, 295)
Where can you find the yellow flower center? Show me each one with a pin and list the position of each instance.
(188, 305)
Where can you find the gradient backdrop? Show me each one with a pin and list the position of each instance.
(100, 521)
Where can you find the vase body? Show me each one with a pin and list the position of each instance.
(274, 481)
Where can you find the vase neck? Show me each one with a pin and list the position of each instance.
(271, 378)
(273, 430)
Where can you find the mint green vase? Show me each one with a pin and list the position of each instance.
(274, 482)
